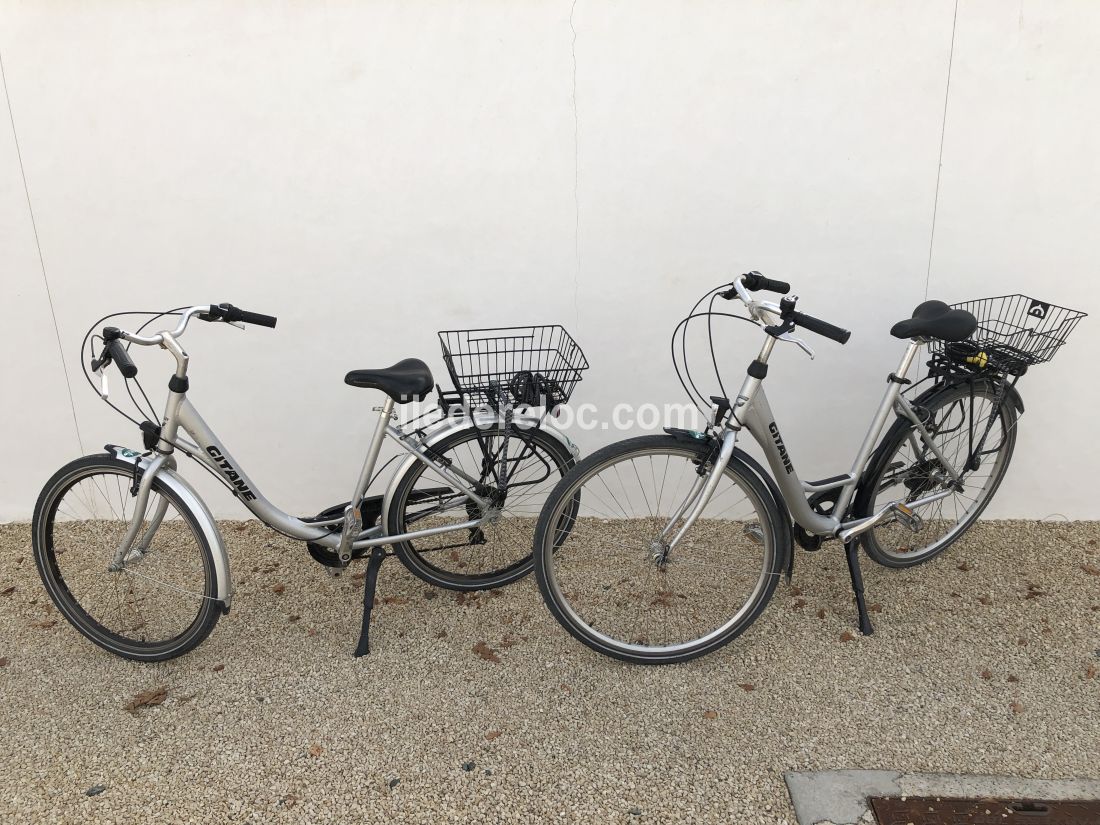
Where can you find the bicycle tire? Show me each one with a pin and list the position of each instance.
(878, 541)
(437, 568)
(46, 553)
(549, 544)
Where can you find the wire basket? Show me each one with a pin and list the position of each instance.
(538, 366)
(1014, 332)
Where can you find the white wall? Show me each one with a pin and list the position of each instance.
(371, 173)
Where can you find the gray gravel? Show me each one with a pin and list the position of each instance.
(272, 719)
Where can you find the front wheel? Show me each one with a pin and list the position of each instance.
(605, 569)
(158, 602)
(906, 469)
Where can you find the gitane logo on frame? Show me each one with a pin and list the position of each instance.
(782, 449)
(231, 474)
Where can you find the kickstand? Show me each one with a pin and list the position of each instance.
(377, 556)
(851, 550)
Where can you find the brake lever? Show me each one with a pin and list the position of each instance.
(206, 316)
(786, 336)
(103, 390)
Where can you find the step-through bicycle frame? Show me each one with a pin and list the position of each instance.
(180, 414)
(751, 410)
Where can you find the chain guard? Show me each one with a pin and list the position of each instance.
(371, 510)
(822, 503)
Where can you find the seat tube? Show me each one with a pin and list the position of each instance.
(893, 389)
(372, 451)
(353, 514)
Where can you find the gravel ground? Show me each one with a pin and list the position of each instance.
(984, 661)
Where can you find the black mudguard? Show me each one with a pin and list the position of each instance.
(862, 497)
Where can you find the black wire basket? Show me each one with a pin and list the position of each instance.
(537, 366)
(1014, 332)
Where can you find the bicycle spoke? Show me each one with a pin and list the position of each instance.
(615, 575)
(916, 472)
(131, 604)
(503, 540)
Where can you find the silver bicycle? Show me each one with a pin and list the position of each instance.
(132, 557)
(662, 548)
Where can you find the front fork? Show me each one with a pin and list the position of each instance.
(129, 549)
(701, 492)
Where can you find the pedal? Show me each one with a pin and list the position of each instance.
(907, 516)
(754, 532)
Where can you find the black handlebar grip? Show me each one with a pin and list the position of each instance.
(232, 313)
(235, 314)
(257, 318)
(754, 282)
(121, 357)
(823, 328)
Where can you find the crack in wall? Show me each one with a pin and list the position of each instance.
(41, 258)
(576, 177)
(939, 163)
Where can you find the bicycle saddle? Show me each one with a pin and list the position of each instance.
(935, 319)
(404, 381)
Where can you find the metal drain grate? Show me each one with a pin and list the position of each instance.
(931, 810)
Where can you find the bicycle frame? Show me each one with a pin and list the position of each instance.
(752, 411)
(217, 456)
(180, 414)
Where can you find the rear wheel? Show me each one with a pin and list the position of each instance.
(907, 470)
(160, 602)
(608, 576)
(499, 551)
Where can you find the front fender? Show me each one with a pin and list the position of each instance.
(190, 499)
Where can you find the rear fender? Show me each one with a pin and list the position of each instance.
(450, 425)
(860, 501)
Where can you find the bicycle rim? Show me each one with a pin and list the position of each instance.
(160, 599)
(913, 471)
(500, 550)
(609, 579)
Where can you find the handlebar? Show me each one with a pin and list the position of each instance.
(117, 353)
(114, 350)
(207, 312)
(785, 311)
(755, 282)
(114, 339)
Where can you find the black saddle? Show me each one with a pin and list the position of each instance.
(404, 381)
(935, 319)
